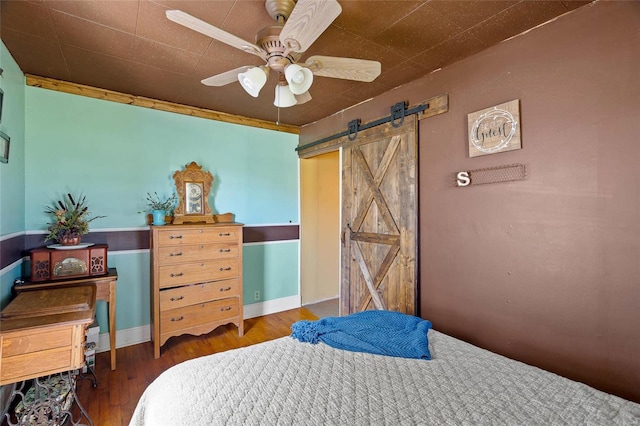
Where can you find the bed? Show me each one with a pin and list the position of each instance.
(289, 382)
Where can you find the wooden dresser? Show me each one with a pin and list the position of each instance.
(196, 280)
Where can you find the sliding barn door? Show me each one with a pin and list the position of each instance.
(379, 220)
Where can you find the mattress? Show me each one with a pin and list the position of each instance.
(286, 382)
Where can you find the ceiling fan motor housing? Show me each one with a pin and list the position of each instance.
(268, 39)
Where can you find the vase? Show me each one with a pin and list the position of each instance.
(70, 240)
(158, 217)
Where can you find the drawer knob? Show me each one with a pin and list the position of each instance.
(226, 234)
(175, 254)
(180, 318)
(225, 250)
(173, 299)
(179, 274)
(178, 237)
(226, 269)
(225, 289)
(228, 308)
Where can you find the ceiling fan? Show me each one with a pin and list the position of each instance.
(299, 24)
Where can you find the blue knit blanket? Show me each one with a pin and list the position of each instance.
(377, 332)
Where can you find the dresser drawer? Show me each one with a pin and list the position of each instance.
(186, 236)
(198, 293)
(187, 317)
(188, 253)
(197, 272)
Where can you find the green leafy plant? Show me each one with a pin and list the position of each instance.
(156, 203)
(71, 218)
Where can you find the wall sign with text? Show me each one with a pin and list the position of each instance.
(495, 129)
(497, 174)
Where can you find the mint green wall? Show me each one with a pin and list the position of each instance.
(116, 153)
(268, 269)
(12, 174)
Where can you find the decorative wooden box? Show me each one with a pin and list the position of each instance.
(56, 264)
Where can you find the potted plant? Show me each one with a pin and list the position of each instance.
(71, 220)
(160, 207)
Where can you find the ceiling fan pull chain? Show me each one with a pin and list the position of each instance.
(353, 129)
(397, 113)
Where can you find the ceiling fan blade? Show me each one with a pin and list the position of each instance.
(225, 77)
(307, 21)
(305, 97)
(345, 68)
(202, 27)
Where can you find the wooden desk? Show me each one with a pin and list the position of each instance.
(105, 290)
(43, 332)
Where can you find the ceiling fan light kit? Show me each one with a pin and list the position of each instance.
(299, 78)
(299, 24)
(253, 80)
(284, 97)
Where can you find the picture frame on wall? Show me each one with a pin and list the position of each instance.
(4, 147)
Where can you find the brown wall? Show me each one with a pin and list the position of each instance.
(545, 270)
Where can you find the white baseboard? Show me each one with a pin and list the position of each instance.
(142, 334)
(126, 337)
(271, 306)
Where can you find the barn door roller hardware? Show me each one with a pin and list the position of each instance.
(398, 112)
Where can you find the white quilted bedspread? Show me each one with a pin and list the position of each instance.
(285, 382)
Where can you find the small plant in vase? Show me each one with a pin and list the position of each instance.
(160, 207)
(71, 220)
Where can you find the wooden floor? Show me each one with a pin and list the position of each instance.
(112, 402)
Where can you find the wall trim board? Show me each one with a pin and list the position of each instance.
(142, 334)
(132, 239)
(140, 101)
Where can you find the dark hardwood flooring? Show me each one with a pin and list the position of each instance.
(112, 402)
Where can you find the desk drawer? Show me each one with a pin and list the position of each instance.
(197, 272)
(197, 293)
(179, 236)
(189, 253)
(36, 364)
(29, 353)
(26, 343)
(188, 317)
